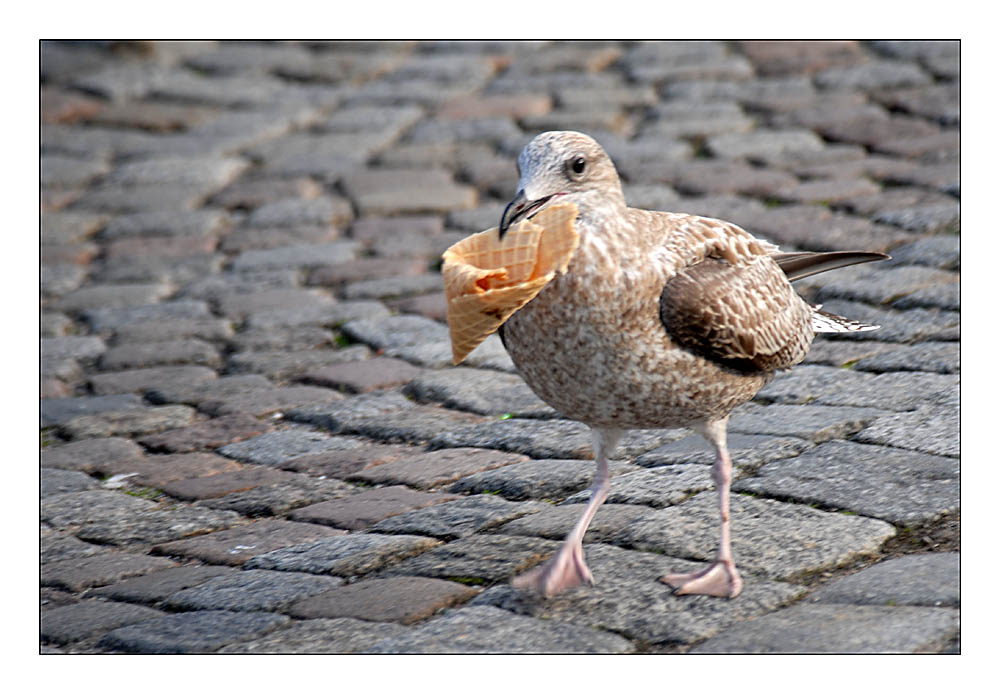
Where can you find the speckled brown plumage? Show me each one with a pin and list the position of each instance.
(651, 325)
(661, 320)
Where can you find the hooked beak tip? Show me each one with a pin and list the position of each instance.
(511, 212)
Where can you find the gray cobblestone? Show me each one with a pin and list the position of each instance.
(128, 422)
(282, 365)
(180, 223)
(101, 319)
(70, 623)
(861, 479)
(392, 287)
(555, 523)
(657, 487)
(62, 410)
(196, 393)
(112, 296)
(89, 454)
(151, 198)
(55, 481)
(165, 270)
(302, 256)
(242, 305)
(344, 556)
(878, 74)
(775, 539)
(921, 579)
(158, 585)
(277, 447)
(55, 324)
(478, 559)
(341, 635)
(628, 599)
(60, 171)
(80, 572)
(149, 354)
(546, 438)
(57, 545)
(156, 525)
(281, 497)
(942, 357)
(186, 170)
(459, 518)
(914, 325)
(250, 591)
(72, 347)
(750, 450)
(840, 629)
(480, 391)
(192, 632)
(478, 629)
(532, 479)
(929, 429)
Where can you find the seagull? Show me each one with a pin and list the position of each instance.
(661, 320)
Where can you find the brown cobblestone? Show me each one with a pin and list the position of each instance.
(362, 510)
(88, 455)
(363, 376)
(160, 470)
(156, 117)
(513, 105)
(58, 106)
(797, 57)
(365, 268)
(68, 253)
(79, 573)
(235, 546)
(155, 587)
(435, 468)
(207, 435)
(405, 600)
(828, 191)
(874, 132)
(337, 463)
(214, 486)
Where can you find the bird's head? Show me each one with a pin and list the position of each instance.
(561, 165)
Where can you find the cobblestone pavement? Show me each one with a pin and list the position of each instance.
(253, 441)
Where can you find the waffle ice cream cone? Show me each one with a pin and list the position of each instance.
(486, 280)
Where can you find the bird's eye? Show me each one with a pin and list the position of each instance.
(578, 165)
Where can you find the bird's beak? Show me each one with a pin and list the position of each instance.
(519, 208)
(513, 212)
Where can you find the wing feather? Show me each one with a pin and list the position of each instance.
(744, 315)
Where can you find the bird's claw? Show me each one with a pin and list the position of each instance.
(567, 569)
(721, 580)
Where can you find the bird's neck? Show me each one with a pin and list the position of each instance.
(597, 207)
(607, 240)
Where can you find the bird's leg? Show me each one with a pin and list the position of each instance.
(567, 568)
(721, 579)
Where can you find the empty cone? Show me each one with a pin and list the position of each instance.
(487, 279)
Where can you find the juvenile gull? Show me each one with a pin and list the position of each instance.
(661, 320)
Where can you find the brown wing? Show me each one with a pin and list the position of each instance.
(744, 315)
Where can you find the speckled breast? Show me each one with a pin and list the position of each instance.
(592, 346)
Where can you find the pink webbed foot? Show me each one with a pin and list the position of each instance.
(567, 569)
(721, 579)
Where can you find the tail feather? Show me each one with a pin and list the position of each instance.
(799, 265)
(824, 322)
